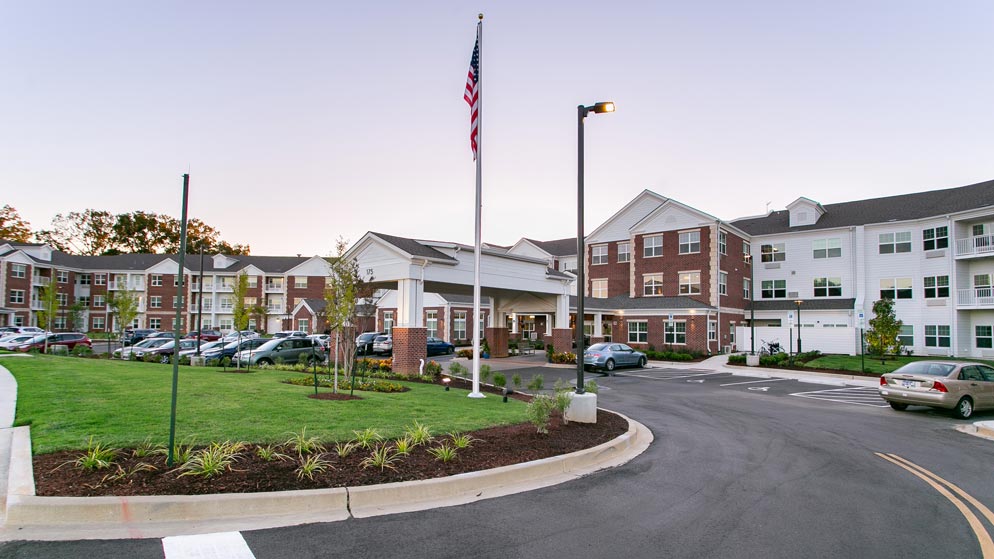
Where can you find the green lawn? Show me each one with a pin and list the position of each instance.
(852, 362)
(119, 403)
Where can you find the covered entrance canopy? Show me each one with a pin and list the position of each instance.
(412, 267)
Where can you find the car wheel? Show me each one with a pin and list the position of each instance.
(609, 365)
(450, 351)
(311, 361)
(642, 362)
(264, 361)
(164, 359)
(964, 408)
(898, 406)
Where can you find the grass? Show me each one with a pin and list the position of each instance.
(873, 365)
(66, 400)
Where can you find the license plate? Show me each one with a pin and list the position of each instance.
(910, 383)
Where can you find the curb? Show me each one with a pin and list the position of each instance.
(982, 429)
(59, 518)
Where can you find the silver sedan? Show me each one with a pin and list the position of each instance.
(960, 386)
(609, 355)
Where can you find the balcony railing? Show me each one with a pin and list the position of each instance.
(274, 288)
(40, 280)
(983, 244)
(975, 297)
(274, 309)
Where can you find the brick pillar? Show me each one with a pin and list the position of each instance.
(562, 339)
(497, 338)
(410, 345)
(596, 339)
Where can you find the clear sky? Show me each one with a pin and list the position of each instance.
(304, 121)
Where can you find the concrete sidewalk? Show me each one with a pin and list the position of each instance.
(720, 363)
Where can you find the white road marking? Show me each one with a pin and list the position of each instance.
(857, 396)
(759, 388)
(755, 381)
(666, 377)
(221, 545)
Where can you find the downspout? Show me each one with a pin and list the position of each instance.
(717, 326)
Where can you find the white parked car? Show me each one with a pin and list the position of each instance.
(245, 335)
(323, 339)
(9, 342)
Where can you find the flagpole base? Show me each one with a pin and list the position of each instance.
(477, 395)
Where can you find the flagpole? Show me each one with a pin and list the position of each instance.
(479, 207)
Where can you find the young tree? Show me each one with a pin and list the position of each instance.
(240, 312)
(12, 227)
(345, 292)
(881, 338)
(258, 312)
(74, 320)
(49, 297)
(124, 305)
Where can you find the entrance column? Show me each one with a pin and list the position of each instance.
(410, 337)
(598, 334)
(496, 333)
(562, 335)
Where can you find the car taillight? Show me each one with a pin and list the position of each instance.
(883, 381)
(936, 385)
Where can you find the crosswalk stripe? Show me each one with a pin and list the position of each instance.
(221, 545)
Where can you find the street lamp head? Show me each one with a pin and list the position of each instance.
(798, 302)
(603, 107)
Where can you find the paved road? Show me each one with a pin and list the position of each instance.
(740, 467)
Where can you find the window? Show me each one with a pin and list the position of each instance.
(174, 325)
(155, 323)
(431, 322)
(155, 302)
(227, 282)
(653, 246)
(18, 320)
(253, 282)
(83, 300)
(250, 301)
(935, 238)
(62, 299)
(60, 323)
(121, 281)
(747, 288)
(712, 330)
(828, 287)
(638, 331)
(907, 335)
(774, 289)
(459, 325)
(723, 283)
(226, 323)
(773, 252)
(388, 321)
(746, 251)
(175, 281)
(690, 283)
(177, 301)
(985, 336)
(304, 324)
(98, 322)
(624, 252)
(675, 332)
(156, 280)
(84, 279)
(18, 270)
(100, 279)
(226, 303)
(982, 285)
(98, 301)
(827, 248)
(979, 230)
(899, 288)
(936, 286)
(690, 242)
(598, 288)
(598, 254)
(16, 296)
(895, 242)
(62, 276)
(300, 282)
(722, 242)
(652, 284)
(937, 335)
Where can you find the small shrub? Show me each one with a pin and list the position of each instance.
(457, 369)
(467, 353)
(213, 460)
(181, 452)
(538, 344)
(418, 433)
(146, 448)
(591, 386)
(433, 368)
(96, 457)
(536, 383)
(737, 359)
(539, 411)
(485, 373)
(184, 360)
(500, 381)
(302, 444)
(151, 358)
(461, 441)
(564, 357)
(561, 402)
(404, 446)
(121, 473)
(270, 453)
(311, 465)
(516, 380)
(443, 453)
(344, 449)
(367, 437)
(82, 351)
(382, 457)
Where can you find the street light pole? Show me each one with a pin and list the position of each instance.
(798, 303)
(752, 306)
(581, 113)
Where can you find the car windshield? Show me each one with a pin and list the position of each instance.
(927, 368)
(381, 339)
(598, 347)
(158, 342)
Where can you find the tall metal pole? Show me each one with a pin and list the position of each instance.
(200, 301)
(176, 327)
(798, 326)
(752, 305)
(477, 247)
(581, 286)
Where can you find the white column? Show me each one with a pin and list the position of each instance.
(562, 311)
(598, 319)
(514, 323)
(548, 324)
(410, 304)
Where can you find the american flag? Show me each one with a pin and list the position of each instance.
(472, 95)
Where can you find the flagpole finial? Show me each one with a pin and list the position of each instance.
(481, 16)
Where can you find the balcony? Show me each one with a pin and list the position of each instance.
(975, 246)
(975, 298)
(274, 288)
(40, 280)
(274, 309)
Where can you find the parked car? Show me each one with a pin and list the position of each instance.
(234, 335)
(10, 342)
(323, 339)
(290, 334)
(231, 348)
(364, 342)
(153, 344)
(166, 350)
(204, 335)
(68, 339)
(204, 347)
(125, 352)
(383, 344)
(283, 350)
(161, 335)
(22, 330)
(438, 346)
(136, 335)
(608, 355)
(960, 386)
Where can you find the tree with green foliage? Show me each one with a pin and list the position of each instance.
(12, 227)
(89, 232)
(239, 311)
(345, 292)
(75, 319)
(124, 305)
(48, 296)
(882, 337)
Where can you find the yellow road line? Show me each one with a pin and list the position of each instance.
(986, 545)
(969, 498)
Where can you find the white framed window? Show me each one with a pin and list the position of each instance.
(907, 335)
(937, 335)
(431, 323)
(747, 251)
(747, 288)
(84, 279)
(99, 301)
(18, 320)
(154, 302)
(175, 280)
(712, 330)
(896, 288)
(62, 299)
(18, 270)
(250, 301)
(653, 246)
(176, 301)
(690, 242)
(225, 303)
(100, 279)
(935, 238)
(60, 323)
(598, 255)
(98, 323)
(624, 251)
(16, 296)
(722, 242)
(156, 280)
(690, 283)
(598, 288)
(62, 276)
(638, 331)
(121, 281)
(253, 282)
(83, 300)
(723, 283)
(652, 284)
(984, 336)
(227, 282)
(226, 324)
(828, 287)
(304, 325)
(155, 323)
(300, 282)
(774, 252)
(731, 334)
(827, 248)
(774, 289)
(459, 325)
(675, 332)
(890, 243)
(388, 322)
(936, 287)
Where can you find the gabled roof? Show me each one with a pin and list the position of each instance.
(903, 207)
(624, 302)
(654, 200)
(144, 261)
(412, 247)
(558, 247)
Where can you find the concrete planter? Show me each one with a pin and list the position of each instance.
(752, 360)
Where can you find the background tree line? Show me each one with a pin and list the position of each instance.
(96, 232)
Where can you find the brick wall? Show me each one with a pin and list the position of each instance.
(671, 263)
(616, 273)
(562, 339)
(410, 345)
(497, 339)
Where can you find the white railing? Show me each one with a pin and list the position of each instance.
(983, 244)
(274, 287)
(41, 280)
(276, 309)
(975, 297)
